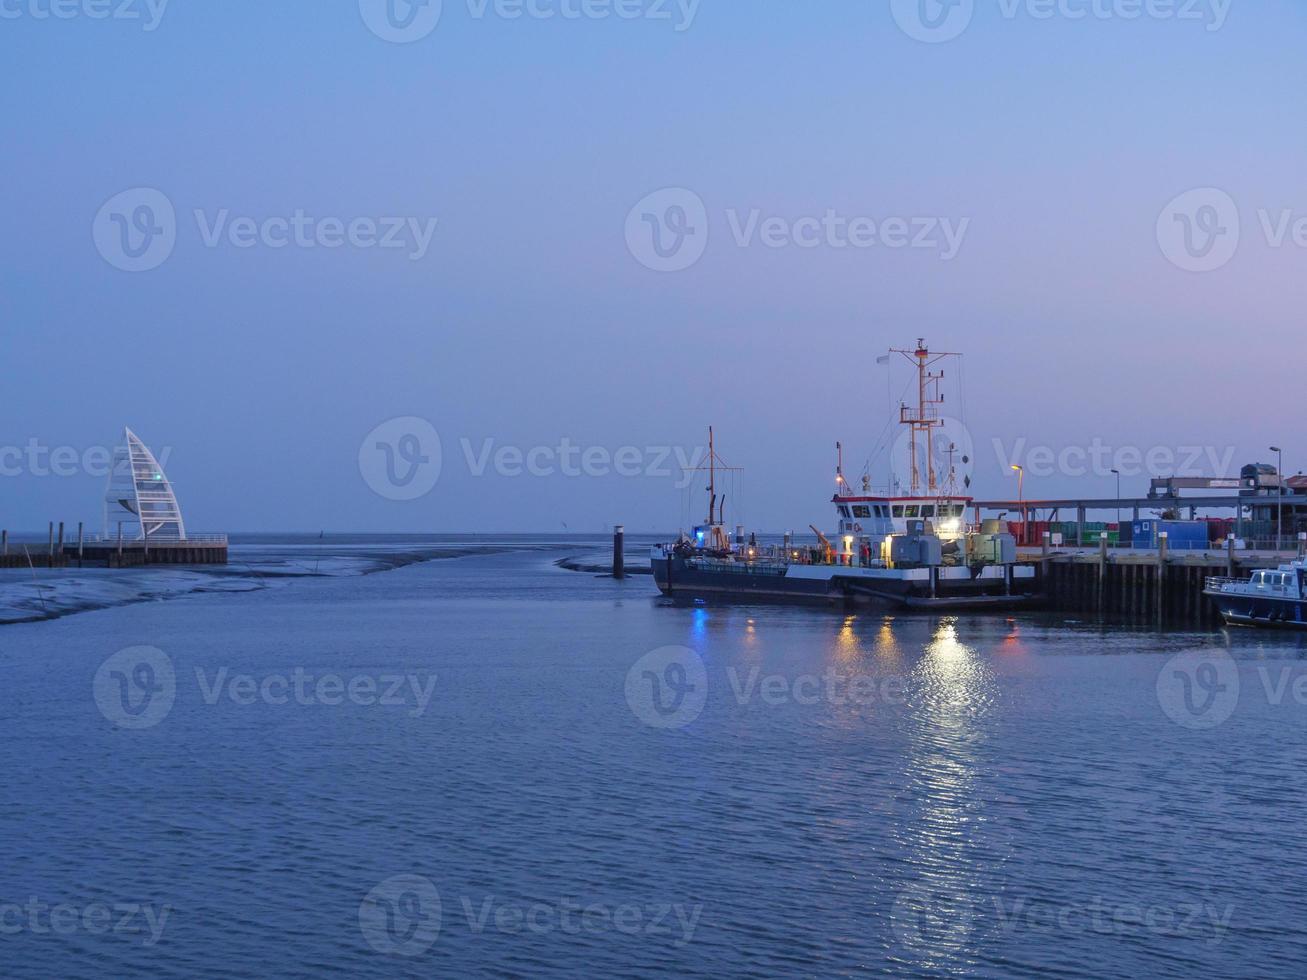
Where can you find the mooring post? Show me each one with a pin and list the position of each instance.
(619, 556)
(1048, 541)
(1102, 571)
(120, 544)
(1229, 556)
(1162, 540)
(79, 544)
(4, 543)
(60, 551)
(50, 547)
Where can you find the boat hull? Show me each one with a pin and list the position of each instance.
(834, 586)
(1270, 612)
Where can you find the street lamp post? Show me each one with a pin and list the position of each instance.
(1021, 499)
(1118, 500)
(1279, 496)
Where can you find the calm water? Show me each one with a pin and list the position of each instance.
(576, 779)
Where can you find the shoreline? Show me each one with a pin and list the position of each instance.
(59, 593)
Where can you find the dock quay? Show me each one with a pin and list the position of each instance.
(118, 552)
(1147, 587)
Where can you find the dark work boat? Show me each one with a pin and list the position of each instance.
(913, 550)
(1275, 598)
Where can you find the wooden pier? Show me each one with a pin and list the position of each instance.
(1147, 587)
(96, 551)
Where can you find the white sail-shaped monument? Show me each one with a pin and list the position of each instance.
(139, 503)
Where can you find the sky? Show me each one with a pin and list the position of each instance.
(346, 266)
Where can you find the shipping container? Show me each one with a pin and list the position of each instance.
(1180, 535)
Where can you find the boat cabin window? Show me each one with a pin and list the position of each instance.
(911, 511)
(882, 511)
(927, 510)
(844, 511)
(898, 510)
(861, 510)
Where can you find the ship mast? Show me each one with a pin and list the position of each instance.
(925, 417)
(716, 504)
